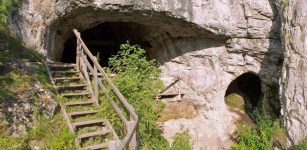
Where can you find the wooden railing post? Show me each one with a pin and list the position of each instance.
(132, 129)
(132, 144)
(95, 74)
(114, 145)
(130, 139)
(78, 55)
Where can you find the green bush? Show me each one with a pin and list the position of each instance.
(262, 137)
(181, 142)
(136, 78)
(7, 6)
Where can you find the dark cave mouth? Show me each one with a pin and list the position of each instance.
(104, 40)
(245, 92)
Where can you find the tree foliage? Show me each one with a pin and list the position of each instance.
(7, 6)
(136, 77)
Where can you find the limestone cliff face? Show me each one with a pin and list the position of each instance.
(294, 75)
(40, 22)
(205, 43)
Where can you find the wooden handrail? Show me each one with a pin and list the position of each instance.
(99, 82)
(82, 54)
(114, 88)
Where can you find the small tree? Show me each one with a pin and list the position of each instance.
(137, 79)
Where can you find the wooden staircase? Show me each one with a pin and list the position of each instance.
(80, 109)
(80, 86)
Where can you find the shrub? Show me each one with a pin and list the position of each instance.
(262, 137)
(136, 77)
(181, 142)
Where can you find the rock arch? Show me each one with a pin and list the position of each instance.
(142, 25)
(247, 85)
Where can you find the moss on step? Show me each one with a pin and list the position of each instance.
(87, 117)
(63, 99)
(90, 129)
(81, 108)
(96, 140)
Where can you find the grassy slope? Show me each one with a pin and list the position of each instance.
(46, 133)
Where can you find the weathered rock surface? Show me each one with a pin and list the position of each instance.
(205, 43)
(19, 112)
(294, 77)
(48, 24)
(177, 110)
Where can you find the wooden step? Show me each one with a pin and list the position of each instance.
(64, 72)
(58, 67)
(88, 123)
(67, 78)
(61, 65)
(71, 86)
(76, 94)
(79, 103)
(83, 113)
(98, 146)
(168, 94)
(91, 134)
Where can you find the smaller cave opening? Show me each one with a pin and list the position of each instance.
(248, 87)
(104, 40)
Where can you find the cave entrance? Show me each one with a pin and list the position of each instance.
(104, 40)
(247, 89)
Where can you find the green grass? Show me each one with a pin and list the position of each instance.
(48, 134)
(97, 140)
(13, 143)
(88, 117)
(301, 146)
(52, 134)
(89, 129)
(266, 134)
(62, 99)
(81, 108)
(182, 142)
(15, 80)
(107, 111)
